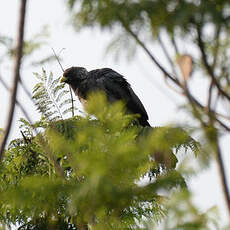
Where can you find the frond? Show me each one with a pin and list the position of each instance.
(65, 102)
(66, 111)
(61, 95)
(50, 96)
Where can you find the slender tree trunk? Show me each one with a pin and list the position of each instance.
(17, 64)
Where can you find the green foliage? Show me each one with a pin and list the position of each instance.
(155, 14)
(182, 214)
(102, 170)
(5, 41)
(31, 47)
(105, 162)
(202, 27)
(50, 97)
(181, 21)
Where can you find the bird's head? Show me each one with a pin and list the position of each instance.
(74, 75)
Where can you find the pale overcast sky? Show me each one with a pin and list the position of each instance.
(86, 48)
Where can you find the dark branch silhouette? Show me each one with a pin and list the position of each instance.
(223, 176)
(207, 66)
(17, 65)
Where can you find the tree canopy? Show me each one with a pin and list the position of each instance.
(101, 170)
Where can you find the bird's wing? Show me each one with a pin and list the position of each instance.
(117, 88)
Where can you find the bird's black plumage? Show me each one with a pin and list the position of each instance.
(109, 81)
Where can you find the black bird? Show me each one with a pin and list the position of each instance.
(113, 84)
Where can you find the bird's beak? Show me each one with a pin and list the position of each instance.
(63, 79)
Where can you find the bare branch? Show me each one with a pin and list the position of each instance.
(167, 55)
(175, 45)
(56, 56)
(216, 51)
(210, 95)
(16, 75)
(150, 54)
(211, 113)
(207, 66)
(194, 103)
(172, 88)
(182, 86)
(71, 94)
(27, 92)
(219, 158)
(17, 102)
(223, 177)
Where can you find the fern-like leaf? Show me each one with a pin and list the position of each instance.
(50, 96)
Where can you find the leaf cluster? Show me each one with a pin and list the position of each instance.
(114, 173)
(50, 97)
(103, 161)
(158, 14)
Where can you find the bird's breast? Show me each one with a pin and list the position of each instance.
(81, 99)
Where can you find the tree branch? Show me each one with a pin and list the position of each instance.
(150, 54)
(216, 51)
(209, 113)
(167, 55)
(17, 102)
(206, 64)
(185, 89)
(210, 96)
(72, 101)
(71, 94)
(17, 65)
(27, 92)
(47, 149)
(219, 158)
(223, 177)
(174, 44)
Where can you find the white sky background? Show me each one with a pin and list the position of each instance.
(86, 48)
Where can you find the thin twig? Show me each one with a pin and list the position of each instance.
(206, 64)
(27, 141)
(27, 92)
(211, 113)
(174, 80)
(150, 54)
(193, 101)
(175, 45)
(17, 102)
(172, 87)
(217, 39)
(222, 116)
(58, 59)
(216, 101)
(186, 91)
(16, 75)
(71, 94)
(219, 158)
(167, 55)
(223, 177)
(210, 95)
